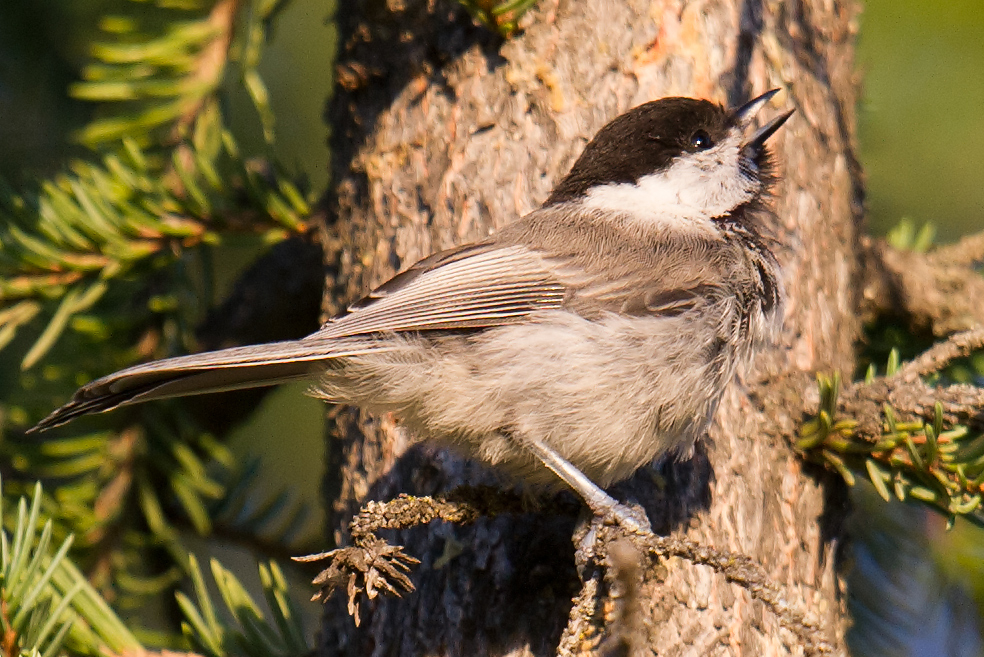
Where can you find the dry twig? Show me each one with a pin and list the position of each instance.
(942, 354)
(941, 291)
(381, 567)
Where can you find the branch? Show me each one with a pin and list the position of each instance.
(371, 565)
(940, 355)
(940, 291)
(910, 439)
(582, 621)
(968, 252)
(625, 620)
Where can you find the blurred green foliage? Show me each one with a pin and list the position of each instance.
(48, 608)
(921, 119)
(42, 47)
(113, 210)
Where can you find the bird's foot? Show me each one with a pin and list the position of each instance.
(631, 518)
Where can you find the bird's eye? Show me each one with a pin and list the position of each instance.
(700, 141)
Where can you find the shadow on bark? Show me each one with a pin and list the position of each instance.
(519, 569)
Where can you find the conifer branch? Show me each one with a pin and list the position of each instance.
(911, 440)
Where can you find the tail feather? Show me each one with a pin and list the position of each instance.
(215, 371)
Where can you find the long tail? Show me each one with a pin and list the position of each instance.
(214, 371)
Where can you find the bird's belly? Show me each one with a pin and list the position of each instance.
(609, 395)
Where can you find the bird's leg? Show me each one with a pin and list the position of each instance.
(602, 504)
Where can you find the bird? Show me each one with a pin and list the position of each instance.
(581, 341)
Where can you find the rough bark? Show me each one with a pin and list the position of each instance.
(442, 134)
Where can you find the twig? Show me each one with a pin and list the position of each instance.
(910, 401)
(626, 628)
(968, 252)
(210, 63)
(940, 291)
(8, 641)
(934, 359)
(580, 626)
(371, 564)
(463, 506)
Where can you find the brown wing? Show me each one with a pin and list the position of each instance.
(613, 265)
(474, 286)
(550, 259)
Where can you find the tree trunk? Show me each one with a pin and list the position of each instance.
(442, 134)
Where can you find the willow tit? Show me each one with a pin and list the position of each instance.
(592, 335)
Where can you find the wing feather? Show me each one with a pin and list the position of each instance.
(473, 287)
(214, 371)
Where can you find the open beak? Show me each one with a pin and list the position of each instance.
(744, 116)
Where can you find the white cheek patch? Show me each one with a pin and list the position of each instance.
(696, 188)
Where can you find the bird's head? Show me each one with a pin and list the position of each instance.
(676, 160)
